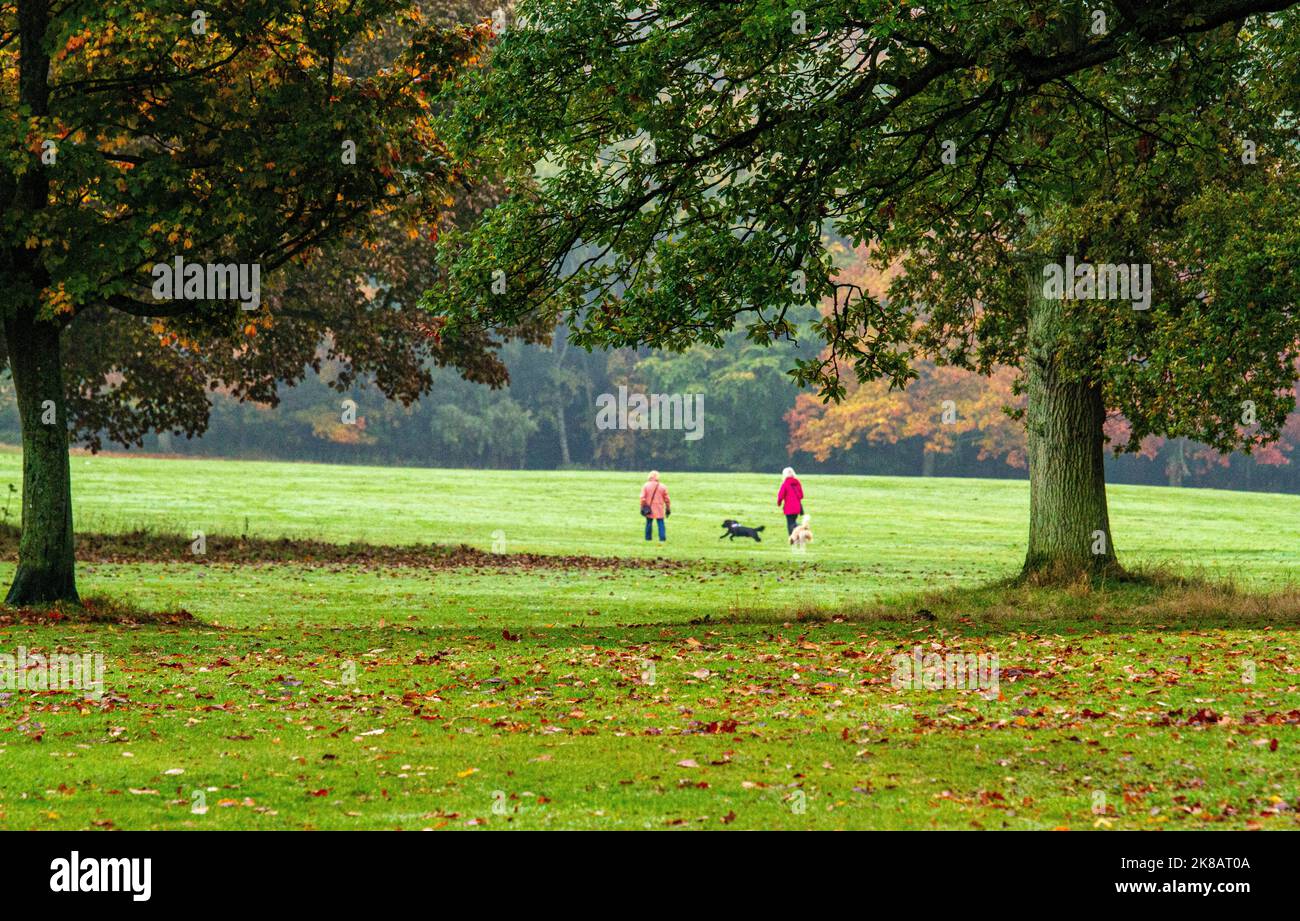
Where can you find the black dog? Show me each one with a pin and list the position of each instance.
(734, 529)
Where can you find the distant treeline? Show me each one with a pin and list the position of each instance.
(948, 423)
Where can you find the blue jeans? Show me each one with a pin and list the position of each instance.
(648, 523)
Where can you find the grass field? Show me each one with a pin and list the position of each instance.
(696, 683)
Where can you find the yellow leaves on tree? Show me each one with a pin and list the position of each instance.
(57, 300)
(944, 406)
(343, 433)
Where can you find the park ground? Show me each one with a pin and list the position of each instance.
(364, 647)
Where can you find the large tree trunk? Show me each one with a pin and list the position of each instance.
(1069, 526)
(45, 560)
(46, 565)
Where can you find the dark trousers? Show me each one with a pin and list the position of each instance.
(790, 522)
(648, 523)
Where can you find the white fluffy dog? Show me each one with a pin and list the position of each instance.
(802, 534)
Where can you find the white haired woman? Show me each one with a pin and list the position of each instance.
(655, 504)
(790, 498)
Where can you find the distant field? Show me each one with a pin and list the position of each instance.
(903, 532)
(733, 686)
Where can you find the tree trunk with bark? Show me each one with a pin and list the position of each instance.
(1176, 468)
(46, 564)
(562, 428)
(560, 348)
(1069, 525)
(927, 462)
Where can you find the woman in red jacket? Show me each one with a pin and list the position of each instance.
(790, 498)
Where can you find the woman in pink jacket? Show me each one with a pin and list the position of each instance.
(790, 498)
(655, 505)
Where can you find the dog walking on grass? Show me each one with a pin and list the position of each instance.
(734, 529)
(802, 534)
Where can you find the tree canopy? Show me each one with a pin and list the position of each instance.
(700, 151)
(290, 143)
(703, 158)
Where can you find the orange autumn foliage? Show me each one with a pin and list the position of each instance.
(872, 413)
(943, 406)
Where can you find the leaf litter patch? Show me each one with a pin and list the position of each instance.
(153, 547)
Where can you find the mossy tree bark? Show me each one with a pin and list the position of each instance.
(46, 564)
(1069, 524)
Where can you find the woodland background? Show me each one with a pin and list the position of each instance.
(756, 420)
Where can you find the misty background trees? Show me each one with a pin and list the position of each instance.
(755, 420)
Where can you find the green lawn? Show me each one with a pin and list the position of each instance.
(737, 685)
(911, 531)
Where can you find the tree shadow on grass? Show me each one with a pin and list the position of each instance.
(1144, 597)
(95, 610)
(1146, 600)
